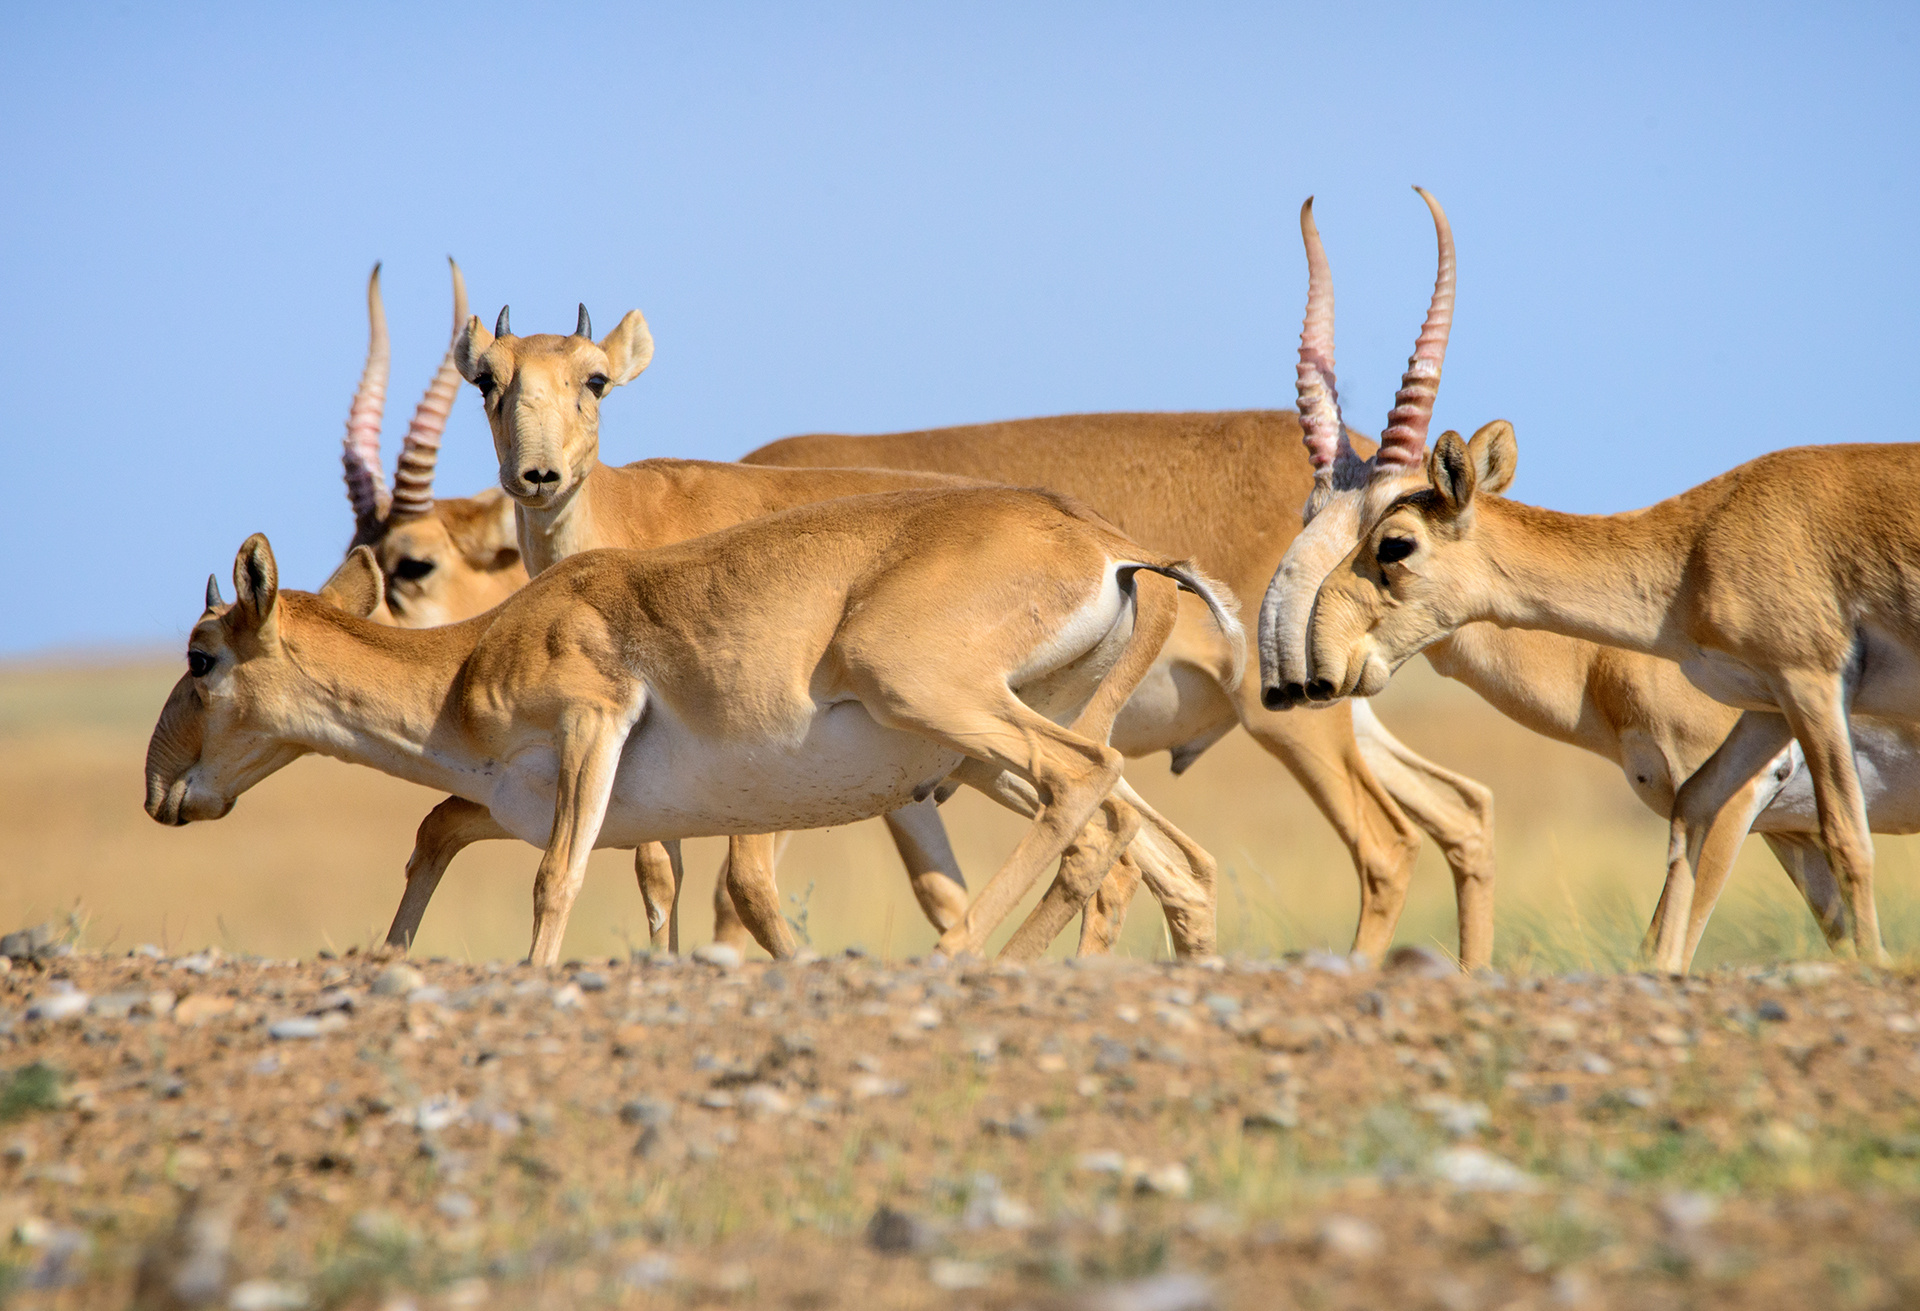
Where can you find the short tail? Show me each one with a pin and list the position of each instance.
(1226, 610)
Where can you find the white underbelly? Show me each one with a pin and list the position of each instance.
(1886, 755)
(673, 783)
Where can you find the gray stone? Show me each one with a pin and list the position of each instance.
(397, 980)
(720, 955)
(1419, 962)
(898, 1233)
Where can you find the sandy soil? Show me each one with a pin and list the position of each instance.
(843, 1133)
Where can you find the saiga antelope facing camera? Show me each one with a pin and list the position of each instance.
(442, 560)
(554, 383)
(1636, 710)
(796, 671)
(1787, 588)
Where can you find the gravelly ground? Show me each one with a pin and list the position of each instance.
(362, 1133)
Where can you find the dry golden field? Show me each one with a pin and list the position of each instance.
(312, 858)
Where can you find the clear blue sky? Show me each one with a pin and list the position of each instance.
(1686, 237)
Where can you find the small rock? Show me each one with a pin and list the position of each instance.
(717, 1100)
(720, 955)
(1669, 1035)
(762, 1099)
(649, 1271)
(1455, 1117)
(898, 1233)
(56, 1006)
(397, 980)
(1771, 1011)
(951, 1275)
(266, 1295)
(201, 963)
(1175, 1292)
(1418, 962)
(1348, 1238)
(1173, 1180)
(567, 996)
(590, 981)
(925, 1017)
(649, 1111)
(1006, 1212)
(1221, 1006)
(27, 944)
(1686, 1211)
(1801, 974)
(1279, 1115)
(455, 1206)
(1102, 1163)
(1594, 1063)
(1326, 962)
(297, 1027)
(117, 1005)
(867, 1086)
(1472, 1169)
(201, 1007)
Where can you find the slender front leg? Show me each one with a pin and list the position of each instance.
(588, 742)
(657, 867)
(450, 826)
(1815, 705)
(752, 890)
(921, 840)
(1083, 866)
(1711, 815)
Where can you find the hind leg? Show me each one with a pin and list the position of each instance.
(454, 824)
(657, 868)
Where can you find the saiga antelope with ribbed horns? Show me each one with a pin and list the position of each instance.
(442, 560)
(798, 670)
(1787, 588)
(1638, 711)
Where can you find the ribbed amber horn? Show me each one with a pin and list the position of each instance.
(1404, 443)
(413, 480)
(366, 486)
(1319, 399)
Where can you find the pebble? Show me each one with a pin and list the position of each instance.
(1173, 1180)
(1783, 1142)
(899, 1233)
(649, 1271)
(720, 955)
(867, 1086)
(1461, 1119)
(1686, 1211)
(1472, 1169)
(953, 1276)
(1349, 1238)
(397, 980)
(1594, 1063)
(1668, 1035)
(1174, 1292)
(298, 1026)
(761, 1099)
(567, 996)
(590, 981)
(58, 1006)
(266, 1295)
(649, 1111)
(456, 1206)
(201, 1006)
(1101, 1162)
(1771, 1011)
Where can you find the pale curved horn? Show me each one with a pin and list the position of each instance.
(366, 486)
(413, 480)
(1319, 400)
(1404, 443)
(500, 328)
(585, 327)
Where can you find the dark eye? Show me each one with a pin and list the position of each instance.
(597, 384)
(1394, 549)
(484, 381)
(199, 664)
(410, 569)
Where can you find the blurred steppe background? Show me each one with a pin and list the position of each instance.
(312, 858)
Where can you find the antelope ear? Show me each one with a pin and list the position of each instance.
(1450, 466)
(356, 586)
(469, 346)
(629, 348)
(1494, 456)
(256, 580)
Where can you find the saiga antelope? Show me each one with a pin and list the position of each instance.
(541, 394)
(795, 671)
(1636, 710)
(441, 560)
(1787, 588)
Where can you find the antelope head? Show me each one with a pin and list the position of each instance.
(440, 561)
(542, 396)
(221, 730)
(1349, 493)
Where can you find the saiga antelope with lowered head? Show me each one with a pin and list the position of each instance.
(1636, 710)
(1787, 588)
(442, 560)
(795, 671)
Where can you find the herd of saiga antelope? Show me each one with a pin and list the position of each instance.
(841, 627)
